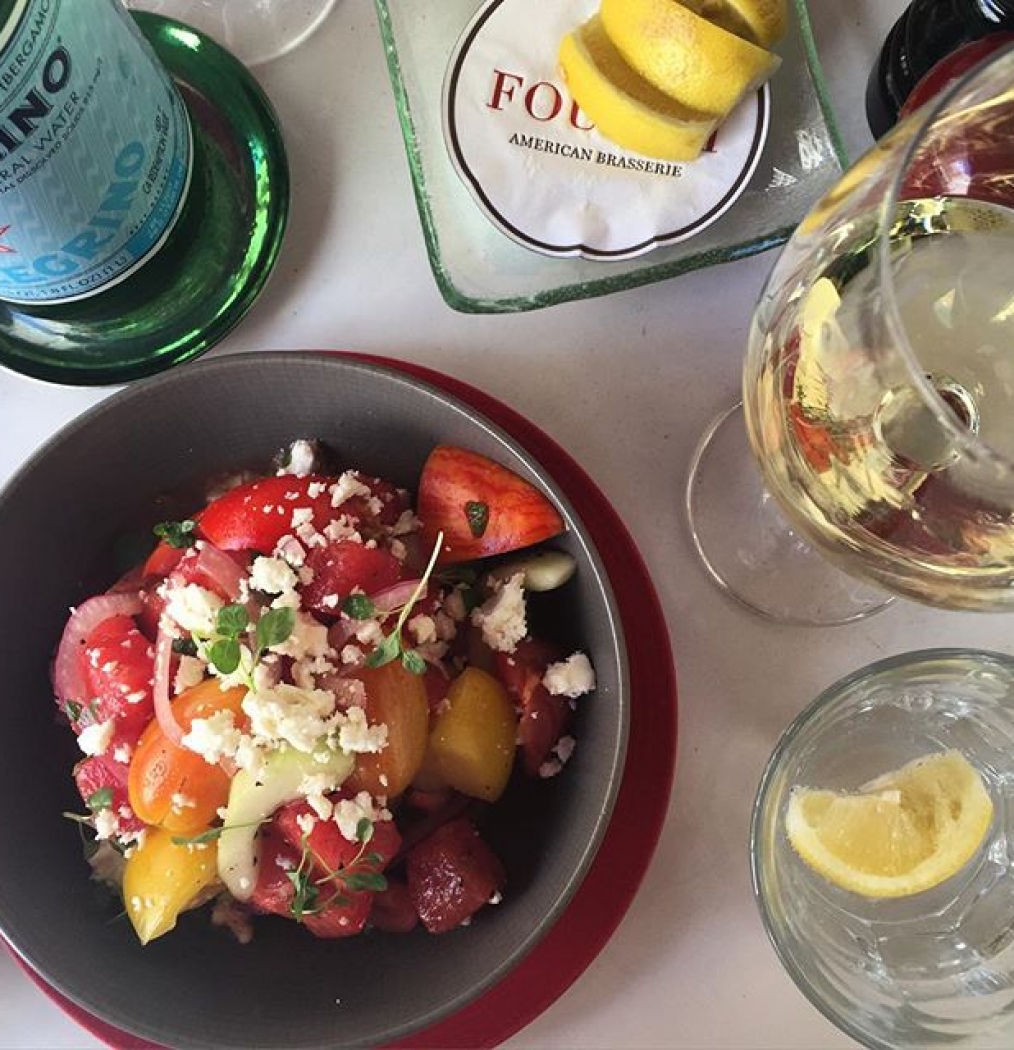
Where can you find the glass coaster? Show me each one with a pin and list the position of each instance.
(480, 270)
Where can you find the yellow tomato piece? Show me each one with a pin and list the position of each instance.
(161, 880)
(472, 745)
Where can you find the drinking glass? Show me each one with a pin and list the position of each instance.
(878, 388)
(255, 31)
(931, 969)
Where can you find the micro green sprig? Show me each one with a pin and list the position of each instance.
(222, 647)
(360, 607)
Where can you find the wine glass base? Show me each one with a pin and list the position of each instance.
(748, 548)
(187, 297)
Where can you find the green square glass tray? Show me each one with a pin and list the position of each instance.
(480, 270)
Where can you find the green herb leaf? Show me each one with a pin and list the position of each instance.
(364, 830)
(184, 646)
(177, 533)
(73, 709)
(388, 650)
(232, 621)
(358, 606)
(198, 840)
(358, 881)
(413, 662)
(224, 654)
(274, 626)
(100, 800)
(477, 514)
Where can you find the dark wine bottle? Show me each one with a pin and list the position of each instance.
(926, 32)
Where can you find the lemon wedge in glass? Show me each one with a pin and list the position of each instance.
(903, 833)
(623, 106)
(687, 57)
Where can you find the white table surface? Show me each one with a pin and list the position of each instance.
(626, 383)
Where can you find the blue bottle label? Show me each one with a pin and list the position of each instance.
(95, 150)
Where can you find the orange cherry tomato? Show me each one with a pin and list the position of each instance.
(175, 788)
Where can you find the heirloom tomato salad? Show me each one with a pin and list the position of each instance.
(306, 698)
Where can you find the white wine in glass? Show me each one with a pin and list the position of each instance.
(879, 381)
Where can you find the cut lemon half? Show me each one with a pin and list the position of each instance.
(685, 56)
(762, 22)
(900, 834)
(624, 106)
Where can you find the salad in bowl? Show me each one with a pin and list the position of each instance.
(307, 697)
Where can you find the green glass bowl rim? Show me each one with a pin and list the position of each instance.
(602, 286)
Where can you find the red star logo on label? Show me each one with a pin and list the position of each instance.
(6, 249)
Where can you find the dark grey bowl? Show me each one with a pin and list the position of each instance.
(68, 522)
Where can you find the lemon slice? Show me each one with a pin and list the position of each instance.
(624, 106)
(762, 22)
(685, 56)
(900, 834)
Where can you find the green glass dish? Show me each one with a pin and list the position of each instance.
(215, 261)
(480, 270)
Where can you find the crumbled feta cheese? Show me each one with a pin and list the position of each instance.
(308, 639)
(352, 655)
(342, 528)
(122, 753)
(407, 523)
(307, 822)
(502, 617)
(358, 736)
(107, 823)
(350, 811)
(272, 575)
(423, 628)
(300, 717)
(301, 459)
(302, 516)
(179, 802)
(213, 738)
(94, 739)
(559, 757)
(189, 673)
(291, 551)
(369, 632)
(192, 607)
(347, 486)
(572, 677)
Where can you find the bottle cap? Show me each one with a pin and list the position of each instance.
(545, 176)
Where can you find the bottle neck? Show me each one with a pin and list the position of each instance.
(993, 14)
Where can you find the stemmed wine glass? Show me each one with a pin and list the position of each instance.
(878, 389)
(255, 31)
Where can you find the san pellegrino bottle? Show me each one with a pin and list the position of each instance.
(134, 230)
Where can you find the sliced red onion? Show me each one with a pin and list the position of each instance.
(221, 570)
(395, 596)
(340, 632)
(68, 674)
(164, 713)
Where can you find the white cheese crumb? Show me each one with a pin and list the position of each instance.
(193, 608)
(301, 459)
(291, 551)
(300, 717)
(350, 811)
(213, 738)
(423, 628)
(502, 617)
(95, 739)
(358, 736)
(572, 677)
(347, 486)
(122, 753)
(189, 673)
(272, 576)
(107, 823)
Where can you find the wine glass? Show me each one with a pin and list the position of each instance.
(878, 388)
(255, 31)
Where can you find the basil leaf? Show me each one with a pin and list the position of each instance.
(232, 621)
(274, 626)
(413, 662)
(100, 800)
(358, 606)
(177, 534)
(477, 514)
(224, 655)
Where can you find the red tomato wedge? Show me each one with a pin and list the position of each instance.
(257, 515)
(482, 507)
(342, 566)
(118, 663)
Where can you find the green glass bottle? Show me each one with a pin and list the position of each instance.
(143, 191)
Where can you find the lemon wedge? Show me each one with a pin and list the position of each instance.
(624, 106)
(900, 834)
(762, 22)
(688, 58)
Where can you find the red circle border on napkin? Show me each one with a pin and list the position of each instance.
(608, 889)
